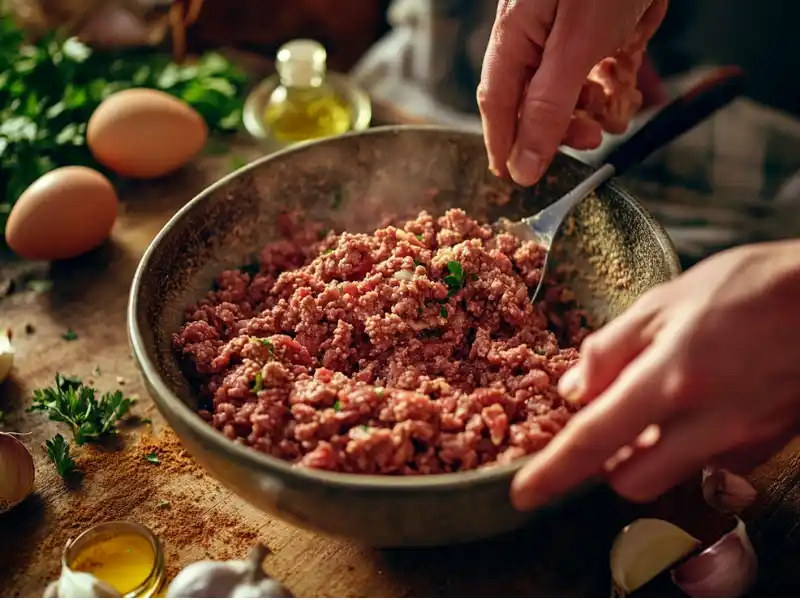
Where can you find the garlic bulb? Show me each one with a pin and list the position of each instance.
(76, 584)
(16, 472)
(6, 355)
(230, 579)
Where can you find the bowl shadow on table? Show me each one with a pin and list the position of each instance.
(563, 552)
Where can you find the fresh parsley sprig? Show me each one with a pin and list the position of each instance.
(58, 451)
(50, 88)
(77, 405)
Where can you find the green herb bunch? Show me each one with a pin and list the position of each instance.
(50, 88)
(77, 405)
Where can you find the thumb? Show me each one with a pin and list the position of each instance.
(550, 100)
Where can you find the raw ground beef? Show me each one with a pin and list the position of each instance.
(413, 350)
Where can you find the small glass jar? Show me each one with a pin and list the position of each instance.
(303, 100)
(126, 555)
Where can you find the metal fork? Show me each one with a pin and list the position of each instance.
(676, 118)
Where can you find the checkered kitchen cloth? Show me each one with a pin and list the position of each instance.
(732, 180)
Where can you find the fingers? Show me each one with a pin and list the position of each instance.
(683, 447)
(510, 57)
(584, 133)
(596, 433)
(605, 353)
(549, 101)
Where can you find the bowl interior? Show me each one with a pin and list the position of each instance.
(359, 181)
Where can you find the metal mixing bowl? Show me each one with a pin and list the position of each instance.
(351, 182)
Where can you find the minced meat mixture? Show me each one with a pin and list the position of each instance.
(412, 350)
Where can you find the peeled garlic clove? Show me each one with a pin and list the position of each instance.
(77, 584)
(6, 356)
(16, 472)
(727, 492)
(644, 549)
(727, 569)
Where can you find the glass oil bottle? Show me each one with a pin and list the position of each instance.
(304, 106)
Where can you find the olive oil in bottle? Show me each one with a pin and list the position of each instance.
(303, 106)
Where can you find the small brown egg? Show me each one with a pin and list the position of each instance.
(64, 213)
(143, 133)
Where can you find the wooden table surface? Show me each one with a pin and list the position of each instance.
(565, 555)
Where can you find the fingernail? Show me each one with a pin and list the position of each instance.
(570, 386)
(524, 166)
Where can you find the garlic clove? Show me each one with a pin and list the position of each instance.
(6, 356)
(267, 588)
(17, 472)
(727, 569)
(207, 579)
(644, 549)
(727, 492)
(77, 584)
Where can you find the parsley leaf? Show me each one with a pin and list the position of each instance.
(75, 404)
(456, 278)
(152, 458)
(265, 342)
(336, 406)
(443, 312)
(69, 335)
(50, 88)
(58, 451)
(258, 384)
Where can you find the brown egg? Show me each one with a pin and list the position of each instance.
(144, 133)
(62, 214)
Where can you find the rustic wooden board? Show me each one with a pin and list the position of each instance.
(565, 555)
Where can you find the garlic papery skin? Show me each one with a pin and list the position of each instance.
(727, 569)
(643, 550)
(231, 579)
(17, 472)
(6, 356)
(726, 492)
(77, 584)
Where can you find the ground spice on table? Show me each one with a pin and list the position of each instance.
(123, 484)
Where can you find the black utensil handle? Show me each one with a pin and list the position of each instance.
(679, 116)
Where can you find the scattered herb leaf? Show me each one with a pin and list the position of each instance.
(443, 312)
(473, 277)
(328, 251)
(258, 384)
(163, 504)
(365, 427)
(69, 335)
(153, 458)
(266, 342)
(75, 404)
(420, 237)
(455, 279)
(336, 405)
(379, 392)
(58, 451)
(237, 162)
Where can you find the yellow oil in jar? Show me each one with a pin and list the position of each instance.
(303, 107)
(124, 561)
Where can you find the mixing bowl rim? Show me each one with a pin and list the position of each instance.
(214, 440)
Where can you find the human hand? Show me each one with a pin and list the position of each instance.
(701, 370)
(535, 71)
